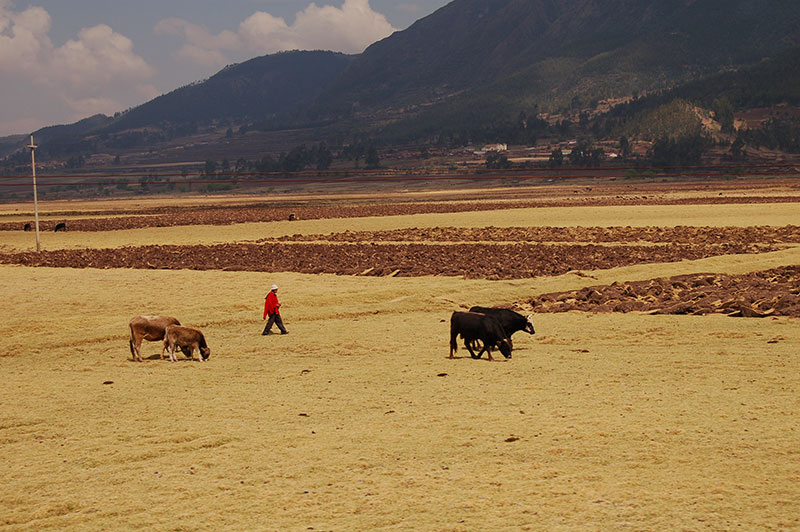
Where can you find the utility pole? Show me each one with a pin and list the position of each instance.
(33, 147)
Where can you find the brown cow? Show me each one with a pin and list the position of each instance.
(187, 339)
(150, 328)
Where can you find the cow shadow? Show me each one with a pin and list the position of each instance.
(158, 357)
(144, 357)
(482, 359)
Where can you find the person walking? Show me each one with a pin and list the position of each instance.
(272, 309)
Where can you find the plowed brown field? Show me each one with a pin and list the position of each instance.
(756, 295)
(166, 217)
(625, 235)
(474, 260)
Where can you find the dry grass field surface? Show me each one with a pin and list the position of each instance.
(358, 421)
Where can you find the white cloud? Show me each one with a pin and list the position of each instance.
(99, 57)
(97, 72)
(198, 35)
(348, 29)
(262, 31)
(21, 43)
(202, 47)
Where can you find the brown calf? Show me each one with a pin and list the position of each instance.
(187, 339)
(150, 328)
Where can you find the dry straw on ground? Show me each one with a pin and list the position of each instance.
(357, 420)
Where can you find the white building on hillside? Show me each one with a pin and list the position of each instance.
(495, 147)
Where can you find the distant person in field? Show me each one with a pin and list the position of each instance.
(272, 309)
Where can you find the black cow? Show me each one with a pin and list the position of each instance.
(473, 326)
(510, 320)
(60, 226)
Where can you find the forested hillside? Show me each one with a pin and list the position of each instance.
(275, 84)
(526, 50)
(477, 71)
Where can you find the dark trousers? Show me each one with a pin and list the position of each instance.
(276, 319)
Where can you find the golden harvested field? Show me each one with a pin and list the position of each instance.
(358, 421)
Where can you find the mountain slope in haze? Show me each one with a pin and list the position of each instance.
(470, 44)
(59, 139)
(270, 85)
(267, 85)
(464, 66)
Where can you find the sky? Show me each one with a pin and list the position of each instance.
(63, 60)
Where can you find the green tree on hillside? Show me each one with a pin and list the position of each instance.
(624, 148)
(737, 149)
(723, 112)
(372, 160)
(497, 161)
(294, 161)
(782, 133)
(679, 151)
(674, 119)
(324, 157)
(556, 158)
(584, 155)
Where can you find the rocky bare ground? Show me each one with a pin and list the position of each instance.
(773, 292)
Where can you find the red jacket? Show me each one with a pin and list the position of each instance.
(271, 305)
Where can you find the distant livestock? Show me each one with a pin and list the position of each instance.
(187, 339)
(510, 321)
(292, 217)
(473, 326)
(60, 226)
(27, 227)
(150, 328)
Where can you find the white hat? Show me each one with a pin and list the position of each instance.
(274, 287)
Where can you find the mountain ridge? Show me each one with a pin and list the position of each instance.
(468, 57)
(469, 43)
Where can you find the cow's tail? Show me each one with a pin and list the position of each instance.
(453, 339)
